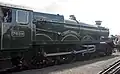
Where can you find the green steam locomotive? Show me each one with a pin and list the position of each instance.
(42, 38)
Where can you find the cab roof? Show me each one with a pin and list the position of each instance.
(14, 6)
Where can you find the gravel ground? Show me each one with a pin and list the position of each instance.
(83, 67)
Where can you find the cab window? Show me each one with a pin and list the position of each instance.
(22, 16)
(6, 14)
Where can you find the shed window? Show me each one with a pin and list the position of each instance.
(22, 16)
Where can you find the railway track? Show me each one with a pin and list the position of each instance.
(112, 69)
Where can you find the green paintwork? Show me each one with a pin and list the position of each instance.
(51, 29)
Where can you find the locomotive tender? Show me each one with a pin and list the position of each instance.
(29, 34)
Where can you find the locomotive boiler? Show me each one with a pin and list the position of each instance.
(42, 38)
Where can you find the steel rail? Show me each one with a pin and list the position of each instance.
(112, 69)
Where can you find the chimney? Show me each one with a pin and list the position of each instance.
(98, 22)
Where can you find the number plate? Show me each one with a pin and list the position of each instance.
(17, 33)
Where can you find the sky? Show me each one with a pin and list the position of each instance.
(87, 11)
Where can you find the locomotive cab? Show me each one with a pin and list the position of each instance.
(15, 28)
(5, 19)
